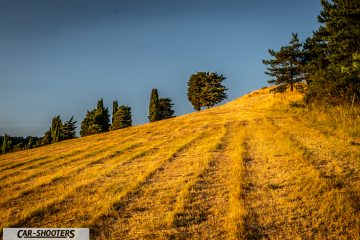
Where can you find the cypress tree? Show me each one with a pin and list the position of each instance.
(56, 129)
(154, 107)
(5, 145)
(102, 117)
(122, 118)
(115, 108)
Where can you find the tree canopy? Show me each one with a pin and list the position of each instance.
(6, 144)
(96, 121)
(334, 66)
(165, 108)
(154, 107)
(328, 61)
(159, 108)
(205, 89)
(67, 129)
(58, 131)
(287, 65)
(115, 108)
(122, 118)
(55, 129)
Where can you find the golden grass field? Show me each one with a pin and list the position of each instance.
(254, 168)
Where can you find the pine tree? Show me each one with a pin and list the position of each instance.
(46, 139)
(337, 79)
(55, 129)
(122, 118)
(115, 108)
(287, 67)
(314, 55)
(154, 107)
(166, 110)
(206, 89)
(68, 129)
(341, 29)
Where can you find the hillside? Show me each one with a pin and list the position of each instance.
(251, 169)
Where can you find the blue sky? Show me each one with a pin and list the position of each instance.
(59, 57)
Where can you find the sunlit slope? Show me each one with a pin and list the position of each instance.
(248, 169)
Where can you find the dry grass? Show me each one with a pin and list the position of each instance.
(254, 168)
(343, 119)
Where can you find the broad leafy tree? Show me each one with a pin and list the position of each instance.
(206, 89)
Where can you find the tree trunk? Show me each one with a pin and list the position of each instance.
(291, 86)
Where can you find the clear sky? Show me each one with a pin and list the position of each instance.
(58, 57)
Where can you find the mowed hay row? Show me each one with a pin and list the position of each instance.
(64, 176)
(67, 152)
(238, 152)
(64, 181)
(145, 215)
(286, 196)
(58, 185)
(30, 178)
(335, 157)
(93, 196)
(11, 161)
(63, 171)
(197, 210)
(17, 159)
(40, 174)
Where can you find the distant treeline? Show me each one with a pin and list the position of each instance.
(328, 63)
(8, 143)
(204, 90)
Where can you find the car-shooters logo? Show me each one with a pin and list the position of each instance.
(46, 233)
